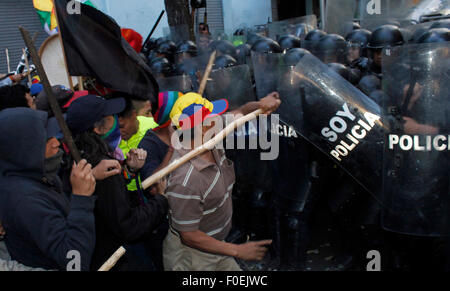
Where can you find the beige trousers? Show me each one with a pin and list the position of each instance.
(179, 257)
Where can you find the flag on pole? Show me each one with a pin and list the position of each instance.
(94, 47)
(47, 16)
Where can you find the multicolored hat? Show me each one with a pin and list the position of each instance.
(192, 109)
(166, 100)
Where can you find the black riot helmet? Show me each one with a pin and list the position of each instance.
(356, 26)
(385, 36)
(243, 51)
(369, 83)
(187, 47)
(161, 66)
(441, 24)
(435, 35)
(315, 35)
(289, 41)
(266, 45)
(166, 48)
(345, 72)
(252, 38)
(224, 61)
(160, 40)
(359, 36)
(358, 40)
(331, 48)
(185, 50)
(293, 56)
(223, 47)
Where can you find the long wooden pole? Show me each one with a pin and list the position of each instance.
(206, 146)
(50, 96)
(111, 262)
(28, 67)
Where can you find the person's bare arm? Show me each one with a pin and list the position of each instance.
(250, 251)
(268, 104)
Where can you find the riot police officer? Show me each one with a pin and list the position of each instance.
(166, 49)
(357, 41)
(382, 37)
(161, 67)
(185, 50)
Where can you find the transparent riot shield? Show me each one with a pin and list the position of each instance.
(299, 26)
(181, 83)
(416, 156)
(339, 16)
(335, 117)
(267, 72)
(328, 52)
(233, 84)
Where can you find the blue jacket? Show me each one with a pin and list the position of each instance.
(42, 226)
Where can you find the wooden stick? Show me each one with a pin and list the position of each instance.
(7, 60)
(50, 96)
(28, 66)
(111, 262)
(192, 154)
(212, 58)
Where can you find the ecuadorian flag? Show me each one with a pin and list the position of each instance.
(46, 12)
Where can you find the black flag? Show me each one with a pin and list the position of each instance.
(94, 47)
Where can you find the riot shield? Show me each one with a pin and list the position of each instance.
(266, 69)
(299, 26)
(416, 152)
(339, 16)
(335, 117)
(181, 83)
(233, 84)
(328, 52)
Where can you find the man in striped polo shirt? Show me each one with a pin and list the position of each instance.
(199, 195)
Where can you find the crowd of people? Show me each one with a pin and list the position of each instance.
(54, 209)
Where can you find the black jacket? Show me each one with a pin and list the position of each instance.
(119, 222)
(42, 226)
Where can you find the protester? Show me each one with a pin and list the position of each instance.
(120, 221)
(10, 80)
(16, 96)
(132, 129)
(42, 225)
(199, 194)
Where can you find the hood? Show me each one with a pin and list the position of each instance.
(22, 142)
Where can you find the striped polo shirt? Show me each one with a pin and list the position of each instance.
(199, 195)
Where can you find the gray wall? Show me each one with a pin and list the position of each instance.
(12, 14)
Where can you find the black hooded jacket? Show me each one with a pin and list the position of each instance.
(43, 227)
